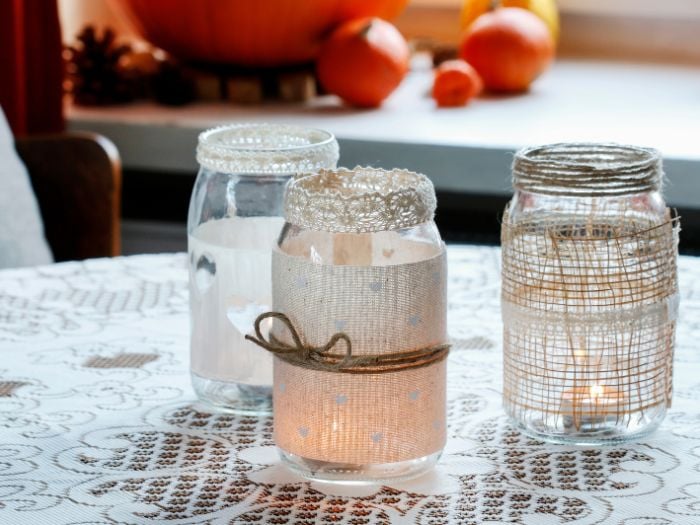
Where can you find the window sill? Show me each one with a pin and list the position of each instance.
(462, 149)
(669, 9)
(602, 29)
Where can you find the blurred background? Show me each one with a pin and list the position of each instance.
(478, 83)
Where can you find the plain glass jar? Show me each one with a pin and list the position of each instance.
(360, 254)
(589, 293)
(235, 217)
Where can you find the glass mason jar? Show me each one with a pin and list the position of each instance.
(360, 273)
(589, 293)
(235, 217)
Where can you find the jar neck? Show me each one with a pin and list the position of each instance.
(383, 248)
(587, 170)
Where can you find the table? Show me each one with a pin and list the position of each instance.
(99, 425)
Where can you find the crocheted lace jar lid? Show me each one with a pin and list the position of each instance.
(266, 149)
(360, 200)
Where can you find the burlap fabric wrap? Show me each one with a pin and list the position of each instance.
(385, 307)
(589, 287)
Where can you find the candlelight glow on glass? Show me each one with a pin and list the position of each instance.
(591, 409)
(361, 256)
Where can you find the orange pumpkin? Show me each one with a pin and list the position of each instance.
(509, 48)
(246, 32)
(363, 61)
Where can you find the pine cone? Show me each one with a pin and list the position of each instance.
(94, 71)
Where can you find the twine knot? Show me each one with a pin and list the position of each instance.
(323, 358)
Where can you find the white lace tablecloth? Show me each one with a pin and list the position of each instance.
(98, 422)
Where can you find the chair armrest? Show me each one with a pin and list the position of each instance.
(77, 181)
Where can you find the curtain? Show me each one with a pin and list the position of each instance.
(31, 66)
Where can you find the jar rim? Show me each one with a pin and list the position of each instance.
(587, 169)
(210, 136)
(266, 148)
(359, 200)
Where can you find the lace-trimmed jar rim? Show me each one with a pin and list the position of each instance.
(266, 149)
(587, 169)
(360, 200)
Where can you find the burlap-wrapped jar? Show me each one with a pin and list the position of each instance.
(359, 287)
(589, 293)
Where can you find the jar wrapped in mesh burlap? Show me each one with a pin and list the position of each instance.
(589, 292)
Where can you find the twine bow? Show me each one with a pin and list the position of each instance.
(323, 358)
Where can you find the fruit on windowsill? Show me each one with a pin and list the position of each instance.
(545, 9)
(509, 48)
(363, 61)
(265, 33)
(456, 83)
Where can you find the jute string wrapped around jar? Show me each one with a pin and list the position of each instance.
(359, 328)
(589, 292)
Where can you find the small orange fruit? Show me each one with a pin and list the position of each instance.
(363, 61)
(509, 48)
(545, 9)
(456, 83)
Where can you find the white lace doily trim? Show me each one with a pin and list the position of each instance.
(360, 200)
(266, 149)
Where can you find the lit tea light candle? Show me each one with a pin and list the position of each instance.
(580, 354)
(587, 409)
(597, 391)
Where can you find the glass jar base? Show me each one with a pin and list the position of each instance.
(229, 396)
(350, 473)
(599, 435)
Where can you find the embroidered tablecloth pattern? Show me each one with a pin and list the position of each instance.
(99, 425)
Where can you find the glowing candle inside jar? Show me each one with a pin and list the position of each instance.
(591, 408)
(580, 354)
(597, 391)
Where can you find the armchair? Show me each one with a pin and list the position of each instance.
(77, 181)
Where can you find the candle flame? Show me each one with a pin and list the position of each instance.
(580, 353)
(597, 391)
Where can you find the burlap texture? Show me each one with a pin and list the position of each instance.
(361, 418)
(589, 306)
